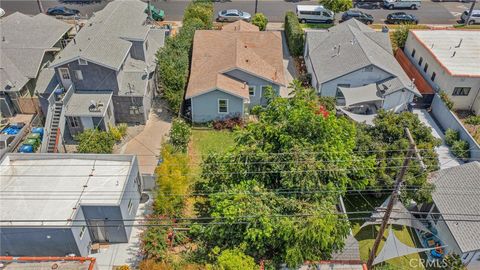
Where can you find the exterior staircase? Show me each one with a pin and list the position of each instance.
(54, 127)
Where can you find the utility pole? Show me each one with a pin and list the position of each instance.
(256, 7)
(393, 198)
(470, 12)
(40, 6)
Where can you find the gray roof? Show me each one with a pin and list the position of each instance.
(25, 40)
(46, 81)
(134, 83)
(456, 193)
(350, 46)
(81, 103)
(106, 37)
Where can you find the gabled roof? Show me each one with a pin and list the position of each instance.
(106, 37)
(24, 41)
(217, 52)
(456, 193)
(350, 46)
(240, 26)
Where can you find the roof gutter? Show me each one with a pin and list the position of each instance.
(44, 259)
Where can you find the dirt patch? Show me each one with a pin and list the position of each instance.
(474, 130)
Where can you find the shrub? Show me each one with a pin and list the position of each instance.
(446, 99)
(473, 120)
(294, 34)
(337, 5)
(119, 131)
(202, 10)
(235, 259)
(399, 36)
(460, 149)
(180, 135)
(95, 141)
(451, 136)
(228, 123)
(260, 20)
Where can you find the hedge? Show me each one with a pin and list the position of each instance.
(174, 58)
(294, 34)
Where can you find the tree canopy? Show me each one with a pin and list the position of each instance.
(337, 5)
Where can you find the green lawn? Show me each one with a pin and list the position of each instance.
(365, 238)
(316, 25)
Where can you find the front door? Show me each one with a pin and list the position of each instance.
(99, 232)
(65, 77)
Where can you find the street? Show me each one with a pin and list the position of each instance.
(429, 13)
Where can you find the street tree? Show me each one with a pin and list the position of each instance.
(337, 5)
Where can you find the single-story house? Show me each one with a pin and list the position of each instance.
(355, 64)
(455, 203)
(62, 204)
(230, 70)
(27, 45)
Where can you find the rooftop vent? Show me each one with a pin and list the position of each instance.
(459, 43)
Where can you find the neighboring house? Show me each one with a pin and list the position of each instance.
(355, 64)
(450, 61)
(27, 45)
(231, 69)
(114, 52)
(106, 74)
(78, 200)
(456, 198)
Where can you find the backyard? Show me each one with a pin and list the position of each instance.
(471, 123)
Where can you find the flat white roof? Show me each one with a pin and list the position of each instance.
(456, 50)
(50, 187)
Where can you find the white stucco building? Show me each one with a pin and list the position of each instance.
(450, 61)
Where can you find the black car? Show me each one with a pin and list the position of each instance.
(401, 18)
(359, 15)
(62, 11)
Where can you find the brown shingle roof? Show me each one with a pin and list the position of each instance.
(217, 52)
(240, 26)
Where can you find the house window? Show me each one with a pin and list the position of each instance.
(78, 75)
(251, 91)
(413, 53)
(223, 106)
(426, 67)
(433, 76)
(134, 109)
(461, 91)
(369, 69)
(130, 206)
(82, 62)
(74, 121)
(339, 93)
(420, 61)
(64, 73)
(82, 232)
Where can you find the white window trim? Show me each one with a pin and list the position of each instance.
(78, 74)
(82, 62)
(130, 206)
(218, 106)
(82, 232)
(254, 90)
(65, 71)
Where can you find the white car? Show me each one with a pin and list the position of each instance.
(474, 19)
(314, 13)
(2, 12)
(411, 4)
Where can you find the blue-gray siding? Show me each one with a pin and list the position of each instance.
(253, 81)
(95, 77)
(137, 51)
(205, 107)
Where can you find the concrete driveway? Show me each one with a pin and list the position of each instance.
(146, 144)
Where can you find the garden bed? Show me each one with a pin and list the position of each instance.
(473, 129)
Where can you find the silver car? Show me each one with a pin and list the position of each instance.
(231, 15)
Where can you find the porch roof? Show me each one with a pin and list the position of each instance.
(88, 103)
(362, 94)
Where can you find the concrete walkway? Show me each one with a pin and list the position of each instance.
(146, 144)
(445, 157)
(288, 66)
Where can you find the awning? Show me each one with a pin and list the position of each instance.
(393, 248)
(360, 118)
(399, 216)
(362, 94)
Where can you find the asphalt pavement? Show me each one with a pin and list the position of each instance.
(429, 13)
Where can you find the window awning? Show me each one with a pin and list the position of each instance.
(362, 94)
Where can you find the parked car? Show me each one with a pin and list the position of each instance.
(368, 4)
(357, 14)
(314, 13)
(80, 1)
(2, 12)
(231, 15)
(411, 4)
(62, 11)
(401, 18)
(474, 19)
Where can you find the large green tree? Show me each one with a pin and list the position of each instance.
(95, 141)
(275, 192)
(337, 5)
